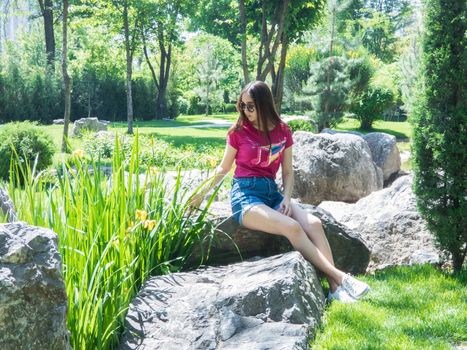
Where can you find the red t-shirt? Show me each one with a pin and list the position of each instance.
(255, 158)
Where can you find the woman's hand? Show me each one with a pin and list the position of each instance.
(286, 207)
(195, 202)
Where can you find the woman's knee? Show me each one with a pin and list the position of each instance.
(314, 222)
(292, 229)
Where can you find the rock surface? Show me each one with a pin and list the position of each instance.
(349, 250)
(33, 301)
(390, 224)
(91, 124)
(384, 152)
(6, 206)
(333, 167)
(273, 303)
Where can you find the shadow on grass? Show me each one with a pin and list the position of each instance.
(400, 136)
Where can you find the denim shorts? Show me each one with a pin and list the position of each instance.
(250, 191)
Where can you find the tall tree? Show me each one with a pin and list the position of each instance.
(129, 50)
(209, 73)
(274, 24)
(160, 24)
(46, 7)
(66, 76)
(440, 127)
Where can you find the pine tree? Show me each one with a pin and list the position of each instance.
(440, 127)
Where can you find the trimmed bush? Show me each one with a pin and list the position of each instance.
(29, 143)
(302, 125)
(370, 105)
(440, 124)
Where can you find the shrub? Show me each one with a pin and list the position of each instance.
(102, 144)
(371, 104)
(440, 137)
(28, 142)
(229, 108)
(302, 125)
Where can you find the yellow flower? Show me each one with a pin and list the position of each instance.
(149, 224)
(154, 170)
(131, 226)
(212, 161)
(141, 214)
(78, 153)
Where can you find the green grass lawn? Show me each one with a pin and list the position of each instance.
(416, 307)
(401, 130)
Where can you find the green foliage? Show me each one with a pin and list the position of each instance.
(327, 87)
(370, 105)
(378, 34)
(113, 235)
(24, 140)
(297, 72)
(440, 127)
(302, 125)
(28, 90)
(416, 307)
(153, 151)
(208, 61)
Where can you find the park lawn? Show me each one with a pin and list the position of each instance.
(178, 132)
(401, 130)
(409, 307)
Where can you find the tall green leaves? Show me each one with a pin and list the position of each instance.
(440, 127)
(114, 232)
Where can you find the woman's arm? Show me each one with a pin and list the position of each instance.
(287, 181)
(222, 169)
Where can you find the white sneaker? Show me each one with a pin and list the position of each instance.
(341, 295)
(354, 287)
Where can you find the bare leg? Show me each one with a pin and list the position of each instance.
(314, 230)
(263, 218)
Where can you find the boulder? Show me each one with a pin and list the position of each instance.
(390, 224)
(383, 148)
(232, 242)
(6, 206)
(33, 301)
(272, 303)
(333, 167)
(384, 152)
(91, 124)
(58, 121)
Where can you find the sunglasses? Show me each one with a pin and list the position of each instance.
(249, 107)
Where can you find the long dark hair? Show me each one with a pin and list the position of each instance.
(264, 104)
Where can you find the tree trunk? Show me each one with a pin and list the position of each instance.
(129, 64)
(164, 70)
(278, 83)
(458, 258)
(47, 13)
(66, 78)
(246, 76)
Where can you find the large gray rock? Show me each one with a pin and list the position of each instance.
(273, 303)
(33, 301)
(6, 206)
(390, 224)
(91, 124)
(232, 242)
(384, 152)
(333, 167)
(383, 148)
